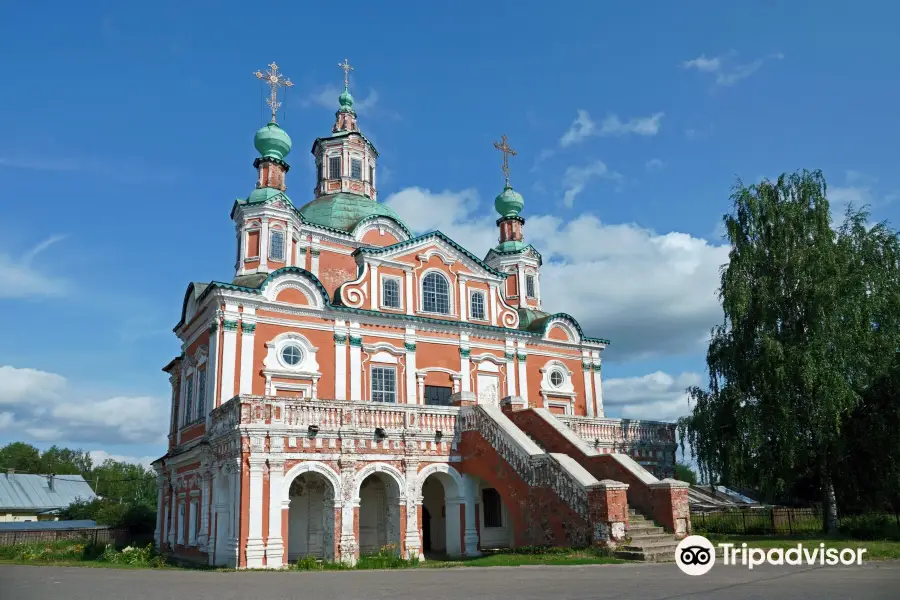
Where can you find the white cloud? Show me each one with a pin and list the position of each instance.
(654, 164)
(99, 456)
(327, 97)
(575, 179)
(651, 294)
(584, 127)
(657, 396)
(726, 72)
(19, 278)
(41, 405)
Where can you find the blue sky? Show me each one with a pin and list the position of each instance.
(126, 134)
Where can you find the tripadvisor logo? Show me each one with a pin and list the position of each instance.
(696, 555)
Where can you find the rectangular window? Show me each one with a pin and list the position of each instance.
(201, 395)
(189, 403)
(436, 395)
(384, 384)
(355, 168)
(529, 286)
(253, 244)
(492, 507)
(334, 167)
(390, 292)
(476, 305)
(371, 174)
(193, 524)
(276, 245)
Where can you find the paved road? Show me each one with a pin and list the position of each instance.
(653, 581)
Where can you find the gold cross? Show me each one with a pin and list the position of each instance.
(347, 68)
(274, 80)
(503, 147)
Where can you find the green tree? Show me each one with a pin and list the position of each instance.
(684, 472)
(21, 457)
(811, 320)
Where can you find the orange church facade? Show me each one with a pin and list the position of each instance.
(357, 388)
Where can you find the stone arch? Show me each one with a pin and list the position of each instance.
(450, 473)
(312, 467)
(379, 467)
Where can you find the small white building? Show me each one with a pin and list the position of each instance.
(27, 497)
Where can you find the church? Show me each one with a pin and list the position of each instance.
(358, 388)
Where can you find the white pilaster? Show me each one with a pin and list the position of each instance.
(495, 303)
(523, 373)
(521, 284)
(255, 548)
(229, 353)
(463, 301)
(264, 245)
(289, 245)
(537, 289)
(470, 537)
(464, 364)
(510, 353)
(171, 518)
(274, 543)
(248, 335)
(212, 370)
(374, 300)
(356, 392)
(203, 536)
(409, 285)
(598, 384)
(413, 506)
(234, 542)
(451, 511)
(411, 396)
(340, 363)
(420, 388)
(314, 252)
(160, 525)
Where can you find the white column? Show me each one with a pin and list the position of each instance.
(171, 517)
(413, 506)
(470, 537)
(264, 245)
(537, 289)
(289, 245)
(212, 370)
(409, 286)
(373, 288)
(255, 548)
(234, 542)
(510, 355)
(275, 545)
(420, 388)
(495, 305)
(411, 395)
(203, 537)
(598, 385)
(340, 365)
(348, 543)
(464, 372)
(463, 301)
(160, 525)
(248, 335)
(229, 353)
(167, 526)
(588, 388)
(521, 284)
(355, 366)
(452, 524)
(523, 374)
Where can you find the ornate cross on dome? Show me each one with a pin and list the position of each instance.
(274, 79)
(503, 147)
(347, 68)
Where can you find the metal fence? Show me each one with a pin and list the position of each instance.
(758, 521)
(95, 535)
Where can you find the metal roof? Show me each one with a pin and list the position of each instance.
(19, 491)
(43, 525)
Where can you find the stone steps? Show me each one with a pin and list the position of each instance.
(646, 541)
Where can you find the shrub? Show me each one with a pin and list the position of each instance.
(870, 527)
(388, 557)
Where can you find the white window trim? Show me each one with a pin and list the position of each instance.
(399, 281)
(450, 294)
(280, 349)
(246, 244)
(484, 305)
(556, 402)
(533, 293)
(372, 381)
(272, 232)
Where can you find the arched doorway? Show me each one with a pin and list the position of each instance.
(311, 517)
(379, 514)
(441, 502)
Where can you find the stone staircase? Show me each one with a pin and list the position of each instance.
(646, 541)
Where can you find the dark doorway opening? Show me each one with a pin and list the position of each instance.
(426, 530)
(436, 395)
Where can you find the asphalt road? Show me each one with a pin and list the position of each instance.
(645, 581)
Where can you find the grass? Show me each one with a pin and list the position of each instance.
(875, 549)
(81, 553)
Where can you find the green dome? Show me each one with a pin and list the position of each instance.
(509, 203)
(346, 99)
(345, 211)
(272, 141)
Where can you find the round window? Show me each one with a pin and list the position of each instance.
(556, 377)
(291, 354)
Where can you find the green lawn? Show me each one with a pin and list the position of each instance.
(875, 549)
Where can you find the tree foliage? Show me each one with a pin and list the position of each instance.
(811, 317)
(684, 472)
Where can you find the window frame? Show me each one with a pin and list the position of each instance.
(483, 297)
(332, 163)
(283, 235)
(562, 377)
(448, 293)
(530, 285)
(201, 394)
(189, 400)
(356, 168)
(383, 392)
(398, 282)
(298, 348)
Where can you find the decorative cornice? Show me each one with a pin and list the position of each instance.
(521, 356)
(427, 236)
(509, 355)
(248, 328)
(229, 325)
(356, 341)
(315, 252)
(587, 366)
(411, 346)
(464, 352)
(340, 338)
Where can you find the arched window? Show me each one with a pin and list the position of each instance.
(435, 294)
(276, 244)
